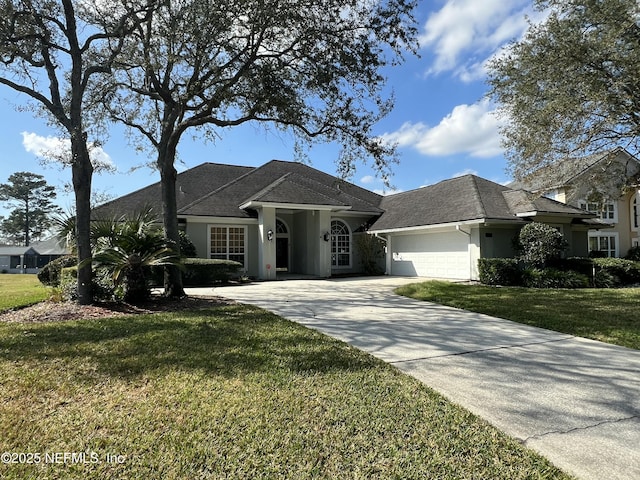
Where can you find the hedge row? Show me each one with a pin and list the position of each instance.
(202, 272)
(563, 273)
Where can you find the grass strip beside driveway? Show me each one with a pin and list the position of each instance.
(231, 392)
(607, 315)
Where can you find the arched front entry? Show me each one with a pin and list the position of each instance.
(340, 245)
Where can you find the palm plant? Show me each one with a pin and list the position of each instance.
(129, 259)
(126, 247)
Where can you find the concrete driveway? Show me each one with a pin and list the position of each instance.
(575, 401)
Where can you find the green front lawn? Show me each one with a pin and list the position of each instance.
(231, 392)
(608, 315)
(18, 290)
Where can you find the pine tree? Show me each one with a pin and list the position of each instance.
(31, 200)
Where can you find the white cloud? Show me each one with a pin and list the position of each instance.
(46, 147)
(368, 179)
(58, 150)
(468, 129)
(390, 191)
(466, 171)
(463, 34)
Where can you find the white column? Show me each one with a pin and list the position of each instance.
(266, 246)
(388, 255)
(323, 255)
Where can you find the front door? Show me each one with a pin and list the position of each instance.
(282, 254)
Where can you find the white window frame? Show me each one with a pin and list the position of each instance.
(607, 210)
(227, 253)
(634, 212)
(285, 234)
(335, 242)
(615, 252)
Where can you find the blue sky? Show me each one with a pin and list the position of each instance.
(442, 121)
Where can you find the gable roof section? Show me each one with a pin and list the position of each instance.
(465, 199)
(51, 246)
(191, 185)
(455, 200)
(293, 186)
(566, 172)
(16, 250)
(521, 202)
(281, 182)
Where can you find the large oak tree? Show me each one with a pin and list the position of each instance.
(310, 67)
(52, 53)
(571, 86)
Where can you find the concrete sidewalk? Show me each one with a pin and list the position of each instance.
(575, 401)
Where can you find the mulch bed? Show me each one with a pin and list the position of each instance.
(49, 311)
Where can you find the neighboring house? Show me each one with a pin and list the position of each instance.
(289, 217)
(30, 259)
(608, 185)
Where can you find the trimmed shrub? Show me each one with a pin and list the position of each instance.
(627, 271)
(539, 243)
(499, 271)
(553, 278)
(371, 252)
(103, 288)
(604, 279)
(633, 254)
(101, 285)
(187, 248)
(199, 272)
(205, 271)
(576, 264)
(49, 275)
(69, 283)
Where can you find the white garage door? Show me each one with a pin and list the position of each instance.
(436, 255)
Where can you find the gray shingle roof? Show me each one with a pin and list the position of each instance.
(220, 190)
(564, 173)
(458, 199)
(294, 186)
(214, 189)
(521, 201)
(462, 199)
(284, 182)
(191, 185)
(50, 246)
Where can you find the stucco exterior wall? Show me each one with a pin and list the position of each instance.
(497, 241)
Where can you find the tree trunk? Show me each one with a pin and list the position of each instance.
(173, 287)
(135, 284)
(82, 172)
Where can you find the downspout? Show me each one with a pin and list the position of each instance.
(387, 263)
(468, 234)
